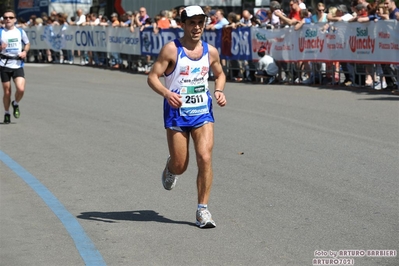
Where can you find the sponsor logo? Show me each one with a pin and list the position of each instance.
(204, 70)
(261, 37)
(195, 70)
(185, 70)
(266, 44)
(311, 41)
(362, 43)
(199, 89)
(194, 81)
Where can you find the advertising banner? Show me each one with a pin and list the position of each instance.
(27, 8)
(344, 42)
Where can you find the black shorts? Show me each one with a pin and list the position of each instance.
(8, 73)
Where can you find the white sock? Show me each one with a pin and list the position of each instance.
(15, 103)
(202, 206)
(7, 112)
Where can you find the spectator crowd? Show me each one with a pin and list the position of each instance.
(377, 76)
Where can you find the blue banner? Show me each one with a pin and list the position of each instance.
(86, 2)
(26, 8)
(231, 43)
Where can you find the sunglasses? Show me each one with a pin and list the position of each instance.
(321, 10)
(8, 17)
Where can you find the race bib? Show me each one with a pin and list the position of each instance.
(195, 101)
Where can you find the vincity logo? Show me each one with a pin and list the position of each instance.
(311, 41)
(361, 41)
(266, 44)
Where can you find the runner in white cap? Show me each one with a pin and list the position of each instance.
(185, 63)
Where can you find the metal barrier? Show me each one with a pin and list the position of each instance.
(322, 73)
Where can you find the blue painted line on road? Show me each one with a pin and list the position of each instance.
(86, 248)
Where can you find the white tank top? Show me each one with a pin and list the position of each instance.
(189, 79)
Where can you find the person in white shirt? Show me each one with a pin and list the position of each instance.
(275, 21)
(302, 5)
(81, 17)
(14, 49)
(245, 19)
(267, 67)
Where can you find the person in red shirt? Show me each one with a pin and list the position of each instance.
(294, 17)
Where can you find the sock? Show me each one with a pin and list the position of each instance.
(7, 112)
(202, 206)
(15, 103)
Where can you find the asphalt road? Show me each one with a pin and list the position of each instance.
(297, 169)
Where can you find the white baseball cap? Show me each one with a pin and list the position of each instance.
(192, 11)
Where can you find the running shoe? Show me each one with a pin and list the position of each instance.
(7, 119)
(168, 179)
(204, 219)
(16, 110)
(377, 85)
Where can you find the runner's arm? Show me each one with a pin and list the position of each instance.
(165, 58)
(24, 53)
(220, 77)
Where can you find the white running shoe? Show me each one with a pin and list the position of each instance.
(384, 85)
(377, 85)
(168, 179)
(204, 219)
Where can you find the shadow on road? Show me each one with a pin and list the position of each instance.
(138, 216)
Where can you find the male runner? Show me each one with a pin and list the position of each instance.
(188, 112)
(14, 48)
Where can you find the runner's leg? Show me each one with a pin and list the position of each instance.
(178, 143)
(203, 144)
(20, 88)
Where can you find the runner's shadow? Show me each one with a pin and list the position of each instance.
(138, 216)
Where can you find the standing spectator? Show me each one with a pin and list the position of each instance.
(94, 20)
(116, 61)
(171, 18)
(294, 17)
(80, 21)
(221, 21)
(393, 10)
(104, 21)
(14, 49)
(127, 19)
(115, 20)
(211, 21)
(301, 4)
(81, 18)
(274, 6)
(235, 65)
(304, 66)
(246, 19)
(140, 19)
(133, 23)
(38, 55)
(163, 22)
(21, 23)
(321, 15)
(342, 14)
(207, 9)
(66, 54)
